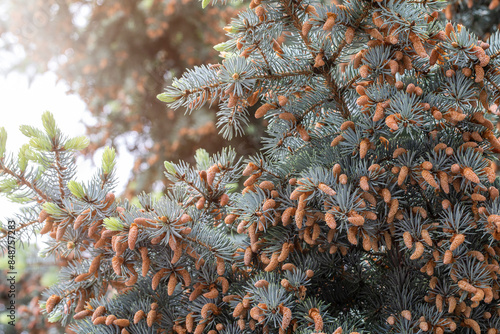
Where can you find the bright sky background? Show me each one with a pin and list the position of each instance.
(20, 104)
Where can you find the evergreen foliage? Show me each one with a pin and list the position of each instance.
(373, 208)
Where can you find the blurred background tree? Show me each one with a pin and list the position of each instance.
(117, 56)
(34, 274)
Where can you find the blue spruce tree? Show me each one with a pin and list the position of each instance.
(373, 206)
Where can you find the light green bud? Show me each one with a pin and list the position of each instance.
(55, 316)
(169, 167)
(163, 97)
(3, 141)
(51, 208)
(76, 189)
(113, 224)
(77, 143)
(108, 160)
(49, 123)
